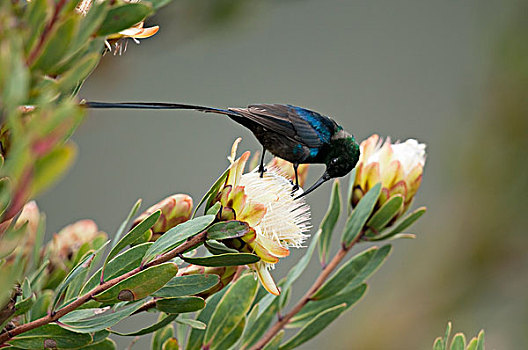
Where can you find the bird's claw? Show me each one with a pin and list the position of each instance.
(295, 188)
(262, 170)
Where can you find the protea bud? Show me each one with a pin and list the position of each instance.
(226, 274)
(175, 209)
(398, 166)
(64, 246)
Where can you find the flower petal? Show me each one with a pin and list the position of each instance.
(265, 278)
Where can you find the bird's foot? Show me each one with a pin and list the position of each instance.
(261, 171)
(295, 188)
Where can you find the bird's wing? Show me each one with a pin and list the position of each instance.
(299, 124)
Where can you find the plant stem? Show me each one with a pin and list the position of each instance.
(282, 322)
(52, 317)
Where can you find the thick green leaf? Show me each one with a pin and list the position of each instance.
(350, 189)
(160, 324)
(217, 248)
(227, 259)
(329, 222)
(57, 45)
(214, 210)
(447, 333)
(24, 305)
(196, 336)
(356, 221)
(97, 321)
(374, 263)
(227, 229)
(107, 344)
(78, 73)
(35, 16)
(439, 344)
(274, 343)
(124, 262)
(314, 327)
(259, 327)
(89, 24)
(314, 307)
(41, 306)
(402, 224)
(139, 285)
(250, 322)
(187, 285)
(80, 268)
(156, 4)
(133, 235)
(459, 342)
(191, 323)
(177, 235)
(344, 275)
(49, 168)
(178, 305)
(472, 345)
(480, 342)
(209, 196)
(123, 17)
(386, 213)
(50, 336)
(231, 309)
(231, 338)
(160, 336)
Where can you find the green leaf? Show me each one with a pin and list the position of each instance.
(231, 309)
(78, 73)
(447, 334)
(28, 299)
(232, 337)
(89, 23)
(259, 327)
(298, 269)
(50, 168)
(314, 307)
(196, 336)
(227, 229)
(178, 305)
(217, 248)
(124, 224)
(342, 277)
(57, 45)
(133, 235)
(472, 345)
(374, 263)
(314, 327)
(386, 213)
(356, 221)
(160, 324)
(107, 344)
(97, 322)
(402, 224)
(228, 259)
(250, 322)
(156, 4)
(480, 343)
(124, 262)
(209, 196)
(123, 17)
(329, 222)
(177, 235)
(439, 344)
(140, 285)
(350, 189)
(187, 285)
(41, 306)
(214, 210)
(50, 336)
(81, 267)
(459, 342)
(35, 18)
(170, 344)
(191, 323)
(160, 336)
(274, 343)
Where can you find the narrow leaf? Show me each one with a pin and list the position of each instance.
(50, 336)
(82, 266)
(187, 285)
(356, 221)
(177, 235)
(228, 259)
(480, 343)
(232, 337)
(231, 309)
(107, 344)
(196, 336)
(260, 326)
(123, 17)
(160, 336)
(380, 256)
(314, 327)
(180, 304)
(212, 191)
(329, 222)
(385, 214)
(402, 225)
(124, 224)
(459, 342)
(160, 324)
(191, 323)
(227, 229)
(274, 343)
(133, 235)
(139, 285)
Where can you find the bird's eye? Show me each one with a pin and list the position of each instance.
(334, 161)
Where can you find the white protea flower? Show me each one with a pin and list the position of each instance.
(398, 166)
(277, 220)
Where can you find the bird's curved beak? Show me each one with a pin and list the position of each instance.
(318, 183)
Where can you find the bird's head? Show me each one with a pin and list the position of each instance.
(341, 157)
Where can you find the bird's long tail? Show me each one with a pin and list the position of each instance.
(156, 105)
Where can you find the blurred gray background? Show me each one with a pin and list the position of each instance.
(453, 74)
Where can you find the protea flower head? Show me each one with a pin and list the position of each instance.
(175, 209)
(398, 166)
(277, 220)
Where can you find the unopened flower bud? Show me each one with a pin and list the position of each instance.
(174, 210)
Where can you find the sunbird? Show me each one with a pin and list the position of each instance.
(295, 134)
